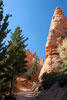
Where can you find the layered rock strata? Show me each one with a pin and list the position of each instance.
(57, 32)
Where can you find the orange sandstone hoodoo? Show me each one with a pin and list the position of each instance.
(57, 32)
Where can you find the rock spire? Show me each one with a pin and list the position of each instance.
(57, 32)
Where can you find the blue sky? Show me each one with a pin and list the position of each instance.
(34, 18)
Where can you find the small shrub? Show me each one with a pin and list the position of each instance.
(63, 69)
(34, 84)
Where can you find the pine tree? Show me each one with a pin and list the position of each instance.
(32, 70)
(17, 55)
(3, 33)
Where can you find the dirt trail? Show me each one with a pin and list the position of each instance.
(19, 97)
(25, 95)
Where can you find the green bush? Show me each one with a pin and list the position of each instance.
(63, 69)
(48, 80)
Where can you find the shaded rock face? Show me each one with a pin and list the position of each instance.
(54, 93)
(57, 33)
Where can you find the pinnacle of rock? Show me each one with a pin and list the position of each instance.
(57, 32)
(59, 12)
(59, 21)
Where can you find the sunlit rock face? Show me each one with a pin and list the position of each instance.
(57, 32)
(30, 57)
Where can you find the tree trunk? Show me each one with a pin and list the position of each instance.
(11, 83)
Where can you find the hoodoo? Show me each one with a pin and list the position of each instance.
(57, 32)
